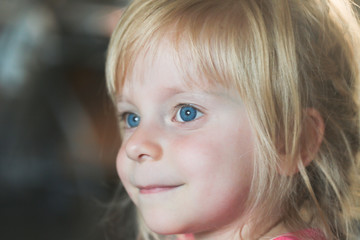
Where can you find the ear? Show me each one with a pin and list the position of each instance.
(312, 136)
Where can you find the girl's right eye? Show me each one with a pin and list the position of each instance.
(132, 120)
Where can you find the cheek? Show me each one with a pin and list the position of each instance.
(192, 155)
(223, 163)
(120, 166)
(123, 168)
(218, 180)
(210, 151)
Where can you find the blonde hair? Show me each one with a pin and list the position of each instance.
(283, 57)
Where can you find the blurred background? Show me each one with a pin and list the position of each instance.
(58, 134)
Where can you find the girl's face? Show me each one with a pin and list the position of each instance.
(187, 154)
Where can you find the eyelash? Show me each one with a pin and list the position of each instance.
(123, 115)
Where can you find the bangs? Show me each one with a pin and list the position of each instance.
(204, 51)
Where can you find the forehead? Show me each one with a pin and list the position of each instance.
(163, 61)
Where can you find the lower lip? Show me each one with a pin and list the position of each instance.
(153, 190)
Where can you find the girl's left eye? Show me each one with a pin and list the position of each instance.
(187, 113)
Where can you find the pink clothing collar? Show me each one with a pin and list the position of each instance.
(310, 234)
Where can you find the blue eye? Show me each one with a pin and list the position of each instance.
(132, 120)
(187, 113)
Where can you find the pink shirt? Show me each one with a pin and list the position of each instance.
(308, 233)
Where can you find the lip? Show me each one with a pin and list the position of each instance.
(152, 189)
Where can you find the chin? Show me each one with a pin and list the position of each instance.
(165, 225)
(164, 228)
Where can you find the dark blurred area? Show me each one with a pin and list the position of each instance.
(58, 134)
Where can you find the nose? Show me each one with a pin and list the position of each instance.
(143, 145)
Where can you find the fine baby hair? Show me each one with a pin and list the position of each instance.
(295, 66)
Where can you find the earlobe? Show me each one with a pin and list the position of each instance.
(310, 141)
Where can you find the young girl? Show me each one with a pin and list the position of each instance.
(239, 118)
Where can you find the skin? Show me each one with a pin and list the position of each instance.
(184, 177)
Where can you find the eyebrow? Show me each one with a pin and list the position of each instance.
(169, 92)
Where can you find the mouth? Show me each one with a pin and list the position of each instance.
(152, 189)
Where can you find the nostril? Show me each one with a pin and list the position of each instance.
(143, 157)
